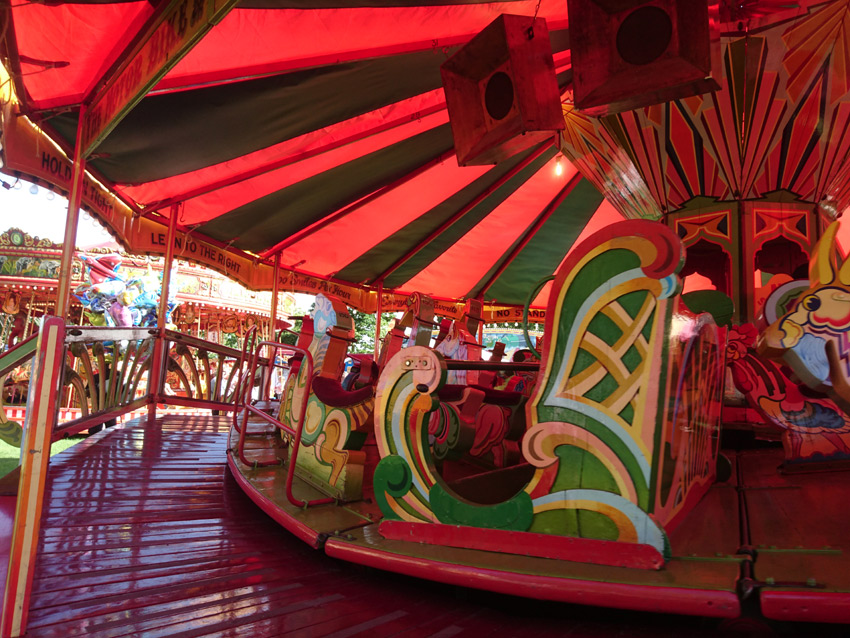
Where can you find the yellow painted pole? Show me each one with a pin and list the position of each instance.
(157, 375)
(69, 244)
(41, 415)
(378, 317)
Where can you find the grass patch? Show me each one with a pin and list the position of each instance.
(10, 455)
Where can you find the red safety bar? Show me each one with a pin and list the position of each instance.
(294, 433)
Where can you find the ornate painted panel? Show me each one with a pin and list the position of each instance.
(812, 339)
(746, 249)
(336, 422)
(780, 121)
(621, 433)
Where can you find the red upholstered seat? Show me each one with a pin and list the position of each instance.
(330, 392)
(454, 392)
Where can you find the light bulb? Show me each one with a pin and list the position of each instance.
(34, 189)
(559, 167)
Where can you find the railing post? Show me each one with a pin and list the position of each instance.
(42, 411)
(267, 391)
(158, 370)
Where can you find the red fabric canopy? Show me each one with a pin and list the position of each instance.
(318, 131)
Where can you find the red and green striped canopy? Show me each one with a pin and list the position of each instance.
(317, 131)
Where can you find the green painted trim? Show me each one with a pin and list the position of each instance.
(514, 514)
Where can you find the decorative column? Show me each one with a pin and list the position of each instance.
(63, 292)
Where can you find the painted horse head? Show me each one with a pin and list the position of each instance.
(813, 337)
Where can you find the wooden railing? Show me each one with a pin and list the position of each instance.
(11, 360)
(203, 374)
(106, 371)
(106, 374)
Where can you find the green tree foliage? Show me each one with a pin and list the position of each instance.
(231, 340)
(364, 330)
(291, 336)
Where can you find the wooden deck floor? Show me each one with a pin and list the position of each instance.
(145, 533)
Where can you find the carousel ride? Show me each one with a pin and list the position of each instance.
(632, 457)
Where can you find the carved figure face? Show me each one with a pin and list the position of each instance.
(820, 316)
(824, 310)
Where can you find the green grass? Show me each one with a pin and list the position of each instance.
(10, 455)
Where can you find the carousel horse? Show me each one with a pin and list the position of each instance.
(812, 340)
(622, 426)
(814, 430)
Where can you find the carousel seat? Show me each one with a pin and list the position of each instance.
(364, 372)
(330, 392)
(454, 392)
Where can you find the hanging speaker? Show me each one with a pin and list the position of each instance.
(501, 91)
(628, 54)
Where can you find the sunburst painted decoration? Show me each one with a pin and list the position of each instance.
(779, 122)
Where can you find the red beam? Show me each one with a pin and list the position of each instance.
(227, 76)
(169, 34)
(659, 599)
(330, 219)
(578, 550)
(84, 423)
(805, 606)
(286, 161)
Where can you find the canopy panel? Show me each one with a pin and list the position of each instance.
(313, 132)
(316, 133)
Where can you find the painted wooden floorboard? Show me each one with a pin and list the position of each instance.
(146, 534)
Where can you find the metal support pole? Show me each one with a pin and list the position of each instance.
(63, 292)
(275, 294)
(378, 317)
(272, 325)
(481, 332)
(157, 371)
